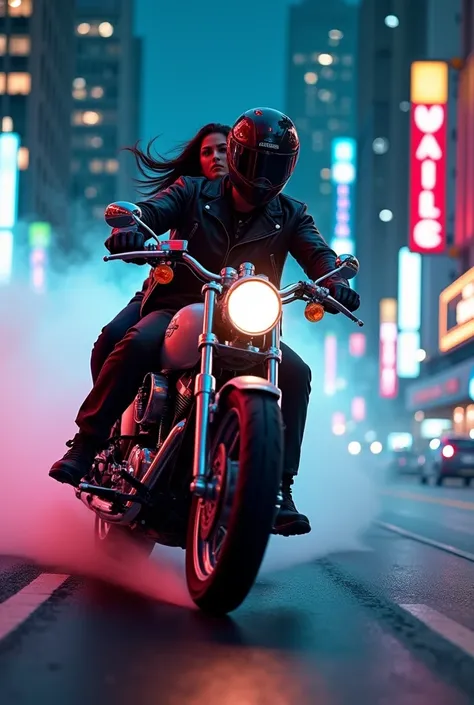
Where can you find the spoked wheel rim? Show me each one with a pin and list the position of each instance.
(102, 528)
(212, 516)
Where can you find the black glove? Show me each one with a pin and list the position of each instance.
(345, 295)
(126, 239)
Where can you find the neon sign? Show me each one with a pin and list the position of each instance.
(343, 170)
(456, 312)
(388, 379)
(428, 139)
(330, 364)
(9, 146)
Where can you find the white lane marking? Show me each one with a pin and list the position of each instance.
(423, 539)
(17, 608)
(450, 630)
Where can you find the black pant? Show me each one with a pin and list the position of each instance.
(134, 349)
(113, 332)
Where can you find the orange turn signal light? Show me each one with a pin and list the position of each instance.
(163, 274)
(314, 312)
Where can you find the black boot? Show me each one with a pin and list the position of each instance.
(77, 461)
(289, 521)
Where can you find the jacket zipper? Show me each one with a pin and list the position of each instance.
(246, 242)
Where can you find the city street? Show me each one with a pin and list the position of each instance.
(393, 624)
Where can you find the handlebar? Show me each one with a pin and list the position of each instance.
(300, 290)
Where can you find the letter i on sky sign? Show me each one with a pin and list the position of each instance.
(428, 145)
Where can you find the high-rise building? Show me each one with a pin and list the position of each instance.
(397, 290)
(36, 70)
(321, 96)
(105, 90)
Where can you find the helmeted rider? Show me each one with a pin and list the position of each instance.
(241, 217)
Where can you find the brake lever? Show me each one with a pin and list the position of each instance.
(344, 310)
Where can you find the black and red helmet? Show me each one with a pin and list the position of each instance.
(262, 151)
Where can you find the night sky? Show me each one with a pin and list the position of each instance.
(208, 62)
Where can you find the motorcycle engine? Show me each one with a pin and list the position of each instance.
(139, 460)
(150, 402)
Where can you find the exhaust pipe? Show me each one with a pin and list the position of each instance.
(103, 508)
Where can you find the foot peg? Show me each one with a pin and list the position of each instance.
(111, 495)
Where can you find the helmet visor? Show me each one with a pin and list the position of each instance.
(258, 168)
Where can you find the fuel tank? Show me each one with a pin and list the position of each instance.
(180, 350)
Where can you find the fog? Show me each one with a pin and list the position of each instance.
(44, 376)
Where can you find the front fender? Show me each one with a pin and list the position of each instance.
(248, 383)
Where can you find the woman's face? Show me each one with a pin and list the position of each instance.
(213, 156)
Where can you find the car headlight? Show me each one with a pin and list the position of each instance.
(253, 306)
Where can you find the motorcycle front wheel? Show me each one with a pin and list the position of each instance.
(228, 533)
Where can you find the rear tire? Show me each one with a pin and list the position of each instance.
(112, 539)
(250, 494)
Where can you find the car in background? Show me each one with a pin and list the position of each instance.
(404, 462)
(453, 457)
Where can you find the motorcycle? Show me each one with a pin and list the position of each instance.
(191, 465)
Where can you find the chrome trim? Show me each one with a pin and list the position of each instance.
(103, 508)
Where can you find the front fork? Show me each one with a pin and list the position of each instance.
(205, 386)
(204, 391)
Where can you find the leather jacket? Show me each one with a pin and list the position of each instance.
(200, 211)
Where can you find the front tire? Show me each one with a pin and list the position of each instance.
(112, 539)
(227, 537)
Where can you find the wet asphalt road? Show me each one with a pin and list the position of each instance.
(390, 625)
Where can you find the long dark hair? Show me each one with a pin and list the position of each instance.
(159, 173)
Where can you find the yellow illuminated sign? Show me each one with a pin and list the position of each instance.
(429, 82)
(463, 330)
(388, 311)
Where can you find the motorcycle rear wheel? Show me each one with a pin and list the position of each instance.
(112, 539)
(220, 573)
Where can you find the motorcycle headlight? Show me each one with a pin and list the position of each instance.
(253, 306)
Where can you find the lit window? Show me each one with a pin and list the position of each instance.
(325, 96)
(106, 29)
(79, 83)
(96, 142)
(317, 141)
(3, 44)
(97, 92)
(112, 166)
(380, 145)
(392, 21)
(83, 28)
(298, 59)
(96, 166)
(335, 34)
(91, 192)
(310, 78)
(20, 8)
(20, 46)
(325, 59)
(19, 83)
(91, 118)
(98, 212)
(385, 215)
(23, 158)
(325, 174)
(325, 189)
(7, 124)
(79, 94)
(327, 73)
